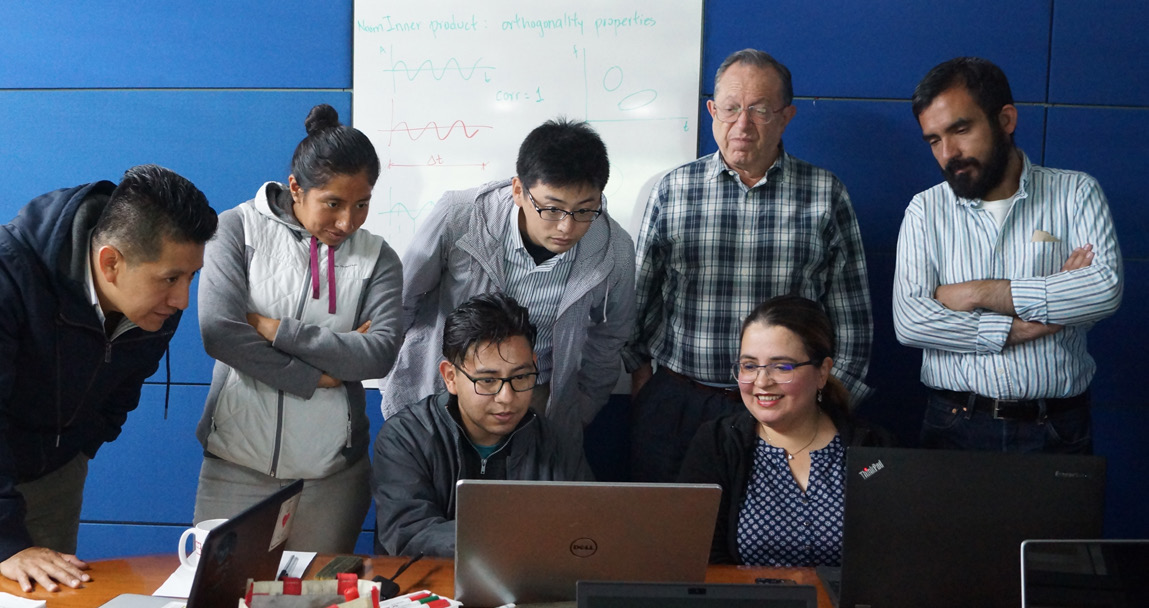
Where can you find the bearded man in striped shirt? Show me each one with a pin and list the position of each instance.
(1001, 271)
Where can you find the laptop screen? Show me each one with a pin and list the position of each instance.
(942, 528)
(530, 541)
(1094, 573)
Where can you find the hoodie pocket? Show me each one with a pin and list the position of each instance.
(315, 433)
(244, 423)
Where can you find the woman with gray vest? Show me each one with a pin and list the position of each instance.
(297, 306)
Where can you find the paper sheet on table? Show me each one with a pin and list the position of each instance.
(180, 582)
(303, 559)
(7, 600)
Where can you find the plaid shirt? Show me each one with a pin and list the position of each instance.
(711, 249)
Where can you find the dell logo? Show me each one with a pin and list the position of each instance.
(867, 472)
(584, 547)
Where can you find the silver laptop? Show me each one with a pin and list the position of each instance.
(1094, 573)
(942, 528)
(531, 541)
(249, 545)
(603, 594)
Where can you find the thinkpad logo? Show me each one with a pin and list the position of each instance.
(584, 547)
(869, 471)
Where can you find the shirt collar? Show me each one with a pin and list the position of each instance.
(515, 237)
(94, 297)
(1022, 185)
(717, 166)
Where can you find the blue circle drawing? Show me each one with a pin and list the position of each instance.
(614, 69)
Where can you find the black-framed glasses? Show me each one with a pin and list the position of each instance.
(762, 115)
(746, 372)
(520, 383)
(554, 214)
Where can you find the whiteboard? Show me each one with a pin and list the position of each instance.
(447, 90)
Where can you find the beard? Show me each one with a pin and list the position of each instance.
(984, 177)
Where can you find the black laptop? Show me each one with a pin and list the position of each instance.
(248, 545)
(1084, 573)
(942, 528)
(613, 594)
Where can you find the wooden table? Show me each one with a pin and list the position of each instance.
(145, 574)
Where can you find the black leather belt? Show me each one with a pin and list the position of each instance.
(1027, 410)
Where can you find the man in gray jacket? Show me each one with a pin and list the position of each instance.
(481, 428)
(544, 238)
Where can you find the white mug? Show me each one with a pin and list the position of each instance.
(190, 560)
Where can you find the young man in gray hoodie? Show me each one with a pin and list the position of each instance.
(543, 237)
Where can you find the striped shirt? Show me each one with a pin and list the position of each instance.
(945, 239)
(711, 249)
(538, 288)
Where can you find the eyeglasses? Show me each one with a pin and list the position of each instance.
(781, 373)
(492, 386)
(761, 115)
(554, 214)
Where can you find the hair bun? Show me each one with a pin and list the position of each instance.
(321, 117)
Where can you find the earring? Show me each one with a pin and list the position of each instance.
(819, 395)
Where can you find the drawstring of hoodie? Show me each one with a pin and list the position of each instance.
(605, 300)
(330, 275)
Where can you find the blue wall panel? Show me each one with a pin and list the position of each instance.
(899, 398)
(150, 473)
(174, 44)
(227, 142)
(1099, 52)
(881, 49)
(1127, 486)
(105, 541)
(1112, 145)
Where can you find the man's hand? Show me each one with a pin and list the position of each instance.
(45, 566)
(640, 377)
(265, 326)
(992, 294)
(1027, 331)
(996, 294)
(1080, 258)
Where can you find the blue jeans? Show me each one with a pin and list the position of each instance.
(955, 425)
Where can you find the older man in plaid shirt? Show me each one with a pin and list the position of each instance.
(721, 235)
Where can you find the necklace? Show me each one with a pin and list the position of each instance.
(790, 455)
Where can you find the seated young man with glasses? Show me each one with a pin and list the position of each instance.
(482, 427)
(544, 238)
